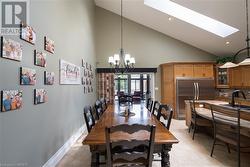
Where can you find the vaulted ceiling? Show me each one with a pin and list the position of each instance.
(231, 12)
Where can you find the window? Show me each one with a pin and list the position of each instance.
(129, 83)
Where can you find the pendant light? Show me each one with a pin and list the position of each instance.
(247, 60)
(122, 62)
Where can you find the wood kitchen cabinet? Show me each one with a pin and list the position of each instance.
(240, 77)
(203, 70)
(169, 73)
(184, 70)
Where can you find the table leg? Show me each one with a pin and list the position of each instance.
(165, 158)
(95, 159)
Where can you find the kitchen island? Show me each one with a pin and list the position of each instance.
(203, 109)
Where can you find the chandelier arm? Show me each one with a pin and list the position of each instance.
(234, 57)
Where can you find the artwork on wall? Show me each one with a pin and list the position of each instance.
(11, 100)
(83, 63)
(27, 76)
(27, 33)
(49, 78)
(70, 74)
(40, 96)
(40, 59)
(49, 45)
(11, 49)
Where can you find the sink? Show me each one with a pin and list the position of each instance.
(237, 106)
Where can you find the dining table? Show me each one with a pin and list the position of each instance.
(139, 114)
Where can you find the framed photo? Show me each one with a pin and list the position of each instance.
(49, 45)
(27, 76)
(11, 49)
(83, 81)
(11, 100)
(27, 33)
(40, 96)
(49, 78)
(70, 74)
(40, 59)
(83, 63)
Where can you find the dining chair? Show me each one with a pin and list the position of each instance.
(155, 108)
(196, 120)
(98, 109)
(227, 130)
(148, 103)
(165, 113)
(104, 104)
(135, 152)
(89, 118)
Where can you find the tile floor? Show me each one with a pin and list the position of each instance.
(187, 153)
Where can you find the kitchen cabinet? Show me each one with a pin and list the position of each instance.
(184, 70)
(203, 70)
(222, 77)
(169, 73)
(240, 77)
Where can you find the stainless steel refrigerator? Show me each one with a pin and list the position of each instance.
(190, 88)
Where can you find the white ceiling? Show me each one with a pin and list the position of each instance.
(231, 12)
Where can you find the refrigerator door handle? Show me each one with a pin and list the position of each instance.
(195, 92)
(198, 91)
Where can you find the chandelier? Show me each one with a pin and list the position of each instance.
(247, 60)
(122, 62)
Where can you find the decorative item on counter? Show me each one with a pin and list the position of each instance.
(49, 78)
(40, 59)
(40, 96)
(27, 33)
(11, 49)
(27, 76)
(49, 45)
(11, 100)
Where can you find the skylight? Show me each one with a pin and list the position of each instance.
(211, 25)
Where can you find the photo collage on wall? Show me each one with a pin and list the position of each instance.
(88, 77)
(13, 50)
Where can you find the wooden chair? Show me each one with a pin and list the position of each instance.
(155, 108)
(166, 113)
(227, 130)
(98, 109)
(134, 152)
(104, 104)
(89, 118)
(149, 104)
(196, 120)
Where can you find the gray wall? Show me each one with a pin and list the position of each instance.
(149, 47)
(31, 135)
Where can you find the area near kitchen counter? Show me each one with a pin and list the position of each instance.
(203, 110)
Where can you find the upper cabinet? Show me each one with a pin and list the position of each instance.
(240, 77)
(184, 70)
(203, 70)
(222, 77)
(194, 70)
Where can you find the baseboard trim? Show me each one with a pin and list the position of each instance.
(54, 160)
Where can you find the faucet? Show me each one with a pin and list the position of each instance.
(236, 94)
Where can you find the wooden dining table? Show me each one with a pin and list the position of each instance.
(164, 139)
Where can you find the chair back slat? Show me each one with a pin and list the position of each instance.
(165, 112)
(136, 151)
(129, 144)
(89, 118)
(130, 129)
